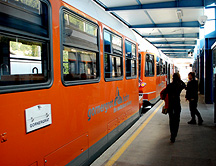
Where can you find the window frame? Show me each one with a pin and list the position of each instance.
(24, 35)
(130, 77)
(77, 82)
(111, 54)
(153, 65)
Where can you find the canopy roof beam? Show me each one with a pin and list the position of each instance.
(194, 42)
(186, 35)
(189, 24)
(174, 51)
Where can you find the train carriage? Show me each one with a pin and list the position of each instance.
(68, 83)
(154, 75)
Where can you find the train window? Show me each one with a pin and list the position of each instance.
(25, 60)
(130, 56)
(113, 56)
(80, 54)
(149, 65)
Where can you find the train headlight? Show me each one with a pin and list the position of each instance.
(142, 84)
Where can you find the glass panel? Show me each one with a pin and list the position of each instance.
(31, 5)
(151, 68)
(107, 66)
(116, 66)
(164, 69)
(161, 66)
(25, 57)
(107, 42)
(128, 68)
(133, 68)
(139, 65)
(79, 32)
(128, 51)
(22, 61)
(133, 51)
(158, 69)
(18, 19)
(116, 44)
(146, 68)
(79, 64)
(113, 66)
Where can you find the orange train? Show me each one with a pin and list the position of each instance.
(64, 84)
(155, 73)
(68, 82)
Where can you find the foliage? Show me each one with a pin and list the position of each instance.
(25, 49)
(65, 62)
(31, 3)
(81, 24)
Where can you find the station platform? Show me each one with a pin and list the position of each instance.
(147, 142)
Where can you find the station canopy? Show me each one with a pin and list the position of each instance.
(171, 25)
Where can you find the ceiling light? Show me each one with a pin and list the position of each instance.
(179, 13)
(202, 20)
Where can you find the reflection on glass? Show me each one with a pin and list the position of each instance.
(107, 42)
(79, 64)
(32, 5)
(116, 66)
(22, 61)
(79, 32)
(116, 44)
(77, 22)
(133, 51)
(128, 67)
(133, 68)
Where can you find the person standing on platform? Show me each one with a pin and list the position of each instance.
(174, 109)
(192, 97)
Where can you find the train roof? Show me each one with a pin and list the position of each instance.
(95, 11)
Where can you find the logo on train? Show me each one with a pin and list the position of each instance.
(117, 104)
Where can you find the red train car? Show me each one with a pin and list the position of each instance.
(68, 84)
(153, 73)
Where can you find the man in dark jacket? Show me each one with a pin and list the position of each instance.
(192, 97)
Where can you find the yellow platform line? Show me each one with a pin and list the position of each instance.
(131, 139)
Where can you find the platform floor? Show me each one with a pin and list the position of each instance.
(194, 146)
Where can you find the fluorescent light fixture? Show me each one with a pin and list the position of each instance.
(179, 13)
(202, 20)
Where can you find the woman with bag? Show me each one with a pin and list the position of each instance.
(173, 91)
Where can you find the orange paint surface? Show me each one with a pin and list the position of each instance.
(66, 137)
